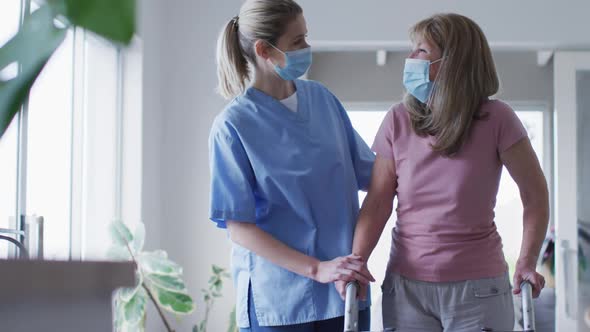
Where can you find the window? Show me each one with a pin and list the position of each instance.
(49, 133)
(366, 119)
(9, 23)
(62, 158)
(100, 161)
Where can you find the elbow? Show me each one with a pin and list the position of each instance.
(377, 208)
(235, 230)
(241, 232)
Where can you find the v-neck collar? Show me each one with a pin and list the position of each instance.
(302, 102)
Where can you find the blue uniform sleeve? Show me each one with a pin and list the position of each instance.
(232, 177)
(362, 156)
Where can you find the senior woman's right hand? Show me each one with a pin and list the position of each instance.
(345, 268)
(362, 292)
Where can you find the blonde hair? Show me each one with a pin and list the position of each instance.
(258, 20)
(466, 78)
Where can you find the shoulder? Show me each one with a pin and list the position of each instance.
(315, 90)
(398, 115)
(497, 110)
(312, 85)
(234, 115)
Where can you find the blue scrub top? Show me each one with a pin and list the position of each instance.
(297, 176)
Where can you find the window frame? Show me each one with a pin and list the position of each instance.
(76, 220)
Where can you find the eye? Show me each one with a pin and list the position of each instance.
(300, 41)
(421, 50)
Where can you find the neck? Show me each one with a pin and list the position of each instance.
(274, 86)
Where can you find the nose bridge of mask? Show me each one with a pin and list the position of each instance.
(290, 56)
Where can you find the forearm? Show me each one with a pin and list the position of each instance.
(372, 219)
(535, 221)
(266, 246)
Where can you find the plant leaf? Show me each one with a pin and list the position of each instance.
(120, 234)
(233, 326)
(125, 294)
(216, 269)
(118, 253)
(167, 282)
(136, 307)
(157, 263)
(178, 303)
(111, 19)
(119, 314)
(138, 237)
(31, 47)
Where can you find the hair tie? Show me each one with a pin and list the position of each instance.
(235, 21)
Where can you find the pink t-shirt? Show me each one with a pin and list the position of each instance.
(445, 228)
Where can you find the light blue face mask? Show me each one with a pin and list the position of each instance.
(296, 63)
(417, 78)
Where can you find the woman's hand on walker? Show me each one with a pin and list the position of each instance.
(345, 268)
(526, 272)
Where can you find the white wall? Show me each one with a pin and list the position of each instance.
(150, 25)
(150, 28)
(507, 23)
(180, 104)
(179, 101)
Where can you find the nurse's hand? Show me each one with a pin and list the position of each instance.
(346, 268)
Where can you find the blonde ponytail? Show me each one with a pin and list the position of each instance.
(232, 66)
(258, 20)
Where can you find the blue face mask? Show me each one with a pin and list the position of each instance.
(417, 78)
(296, 63)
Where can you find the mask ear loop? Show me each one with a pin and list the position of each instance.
(428, 101)
(276, 48)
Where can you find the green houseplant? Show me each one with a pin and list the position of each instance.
(159, 280)
(213, 292)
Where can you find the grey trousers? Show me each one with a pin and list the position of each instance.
(464, 306)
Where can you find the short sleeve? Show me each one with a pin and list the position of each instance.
(383, 144)
(232, 177)
(510, 129)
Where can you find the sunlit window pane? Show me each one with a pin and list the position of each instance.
(100, 146)
(49, 150)
(9, 20)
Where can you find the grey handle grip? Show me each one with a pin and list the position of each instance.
(528, 309)
(351, 308)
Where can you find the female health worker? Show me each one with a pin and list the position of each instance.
(286, 168)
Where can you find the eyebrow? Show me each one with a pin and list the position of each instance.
(301, 35)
